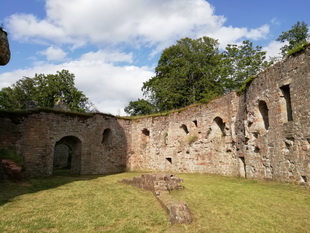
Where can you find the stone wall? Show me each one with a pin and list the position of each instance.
(262, 134)
(35, 135)
(276, 131)
(5, 53)
(199, 139)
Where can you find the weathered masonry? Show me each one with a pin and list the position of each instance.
(90, 144)
(262, 134)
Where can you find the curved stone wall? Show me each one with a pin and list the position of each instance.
(262, 134)
(35, 134)
(199, 139)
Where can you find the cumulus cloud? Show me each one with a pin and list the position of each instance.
(273, 49)
(109, 87)
(134, 22)
(108, 56)
(233, 35)
(53, 53)
(111, 29)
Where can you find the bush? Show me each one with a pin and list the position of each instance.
(9, 154)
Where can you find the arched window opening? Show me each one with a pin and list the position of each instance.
(62, 157)
(184, 127)
(106, 136)
(67, 154)
(262, 106)
(195, 122)
(220, 124)
(242, 167)
(287, 97)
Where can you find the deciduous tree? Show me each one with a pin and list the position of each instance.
(186, 73)
(139, 107)
(241, 62)
(296, 36)
(44, 91)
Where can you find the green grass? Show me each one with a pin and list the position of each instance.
(226, 204)
(246, 84)
(64, 203)
(299, 48)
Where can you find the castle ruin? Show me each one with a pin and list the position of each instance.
(263, 133)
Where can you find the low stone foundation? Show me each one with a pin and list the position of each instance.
(161, 185)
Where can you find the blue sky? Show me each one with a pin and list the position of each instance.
(112, 47)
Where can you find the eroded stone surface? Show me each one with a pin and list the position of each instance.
(262, 134)
(161, 185)
(5, 53)
(12, 170)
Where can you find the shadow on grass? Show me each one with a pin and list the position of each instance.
(9, 189)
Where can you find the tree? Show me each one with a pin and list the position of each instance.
(139, 107)
(194, 71)
(186, 73)
(241, 62)
(44, 91)
(298, 35)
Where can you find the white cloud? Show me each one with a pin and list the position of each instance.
(111, 29)
(108, 56)
(53, 53)
(273, 49)
(134, 22)
(231, 35)
(109, 87)
(26, 27)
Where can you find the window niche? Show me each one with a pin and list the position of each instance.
(264, 111)
(106, 136)
(184, 127)
(242, 167)
(287, 98)
(146, 132)
(169, 159)
(220, 124)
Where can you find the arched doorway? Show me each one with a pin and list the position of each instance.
(67, 154)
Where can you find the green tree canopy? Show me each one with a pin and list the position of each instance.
(139, 107)
(241, 62)
(44, 91)
(186, 73)
(296, 36)
(194, 70)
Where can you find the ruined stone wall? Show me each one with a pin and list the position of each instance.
(97, 141)
(262, 134)
(10, 132)
(276, 134)
(5, 53)
(199, 139)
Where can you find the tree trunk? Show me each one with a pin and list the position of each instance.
(5, 53)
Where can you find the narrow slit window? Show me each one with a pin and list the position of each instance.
(184, 127)
(220, 124)
(287, 97)
(264, 113)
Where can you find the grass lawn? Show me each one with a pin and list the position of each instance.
(64, 203)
